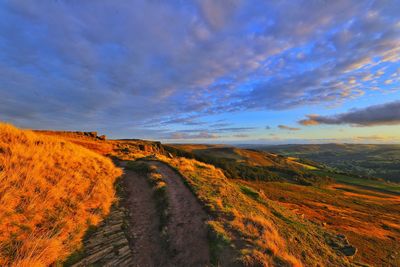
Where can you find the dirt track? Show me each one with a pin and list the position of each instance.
(187, 231)
(145, 242)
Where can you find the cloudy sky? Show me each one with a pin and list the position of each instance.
(209, 71)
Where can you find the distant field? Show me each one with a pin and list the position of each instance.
(388, 187)
(381, 161)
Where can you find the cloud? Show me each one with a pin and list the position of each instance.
(383, 114)
(183, 135)
(375, 138)
(109, 63)
(184, 121)
(284, 127)
(235, 129)
(241, 135)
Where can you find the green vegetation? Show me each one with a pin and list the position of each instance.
(250, 192)
(382, 161)
(374, 184)
(138, 166)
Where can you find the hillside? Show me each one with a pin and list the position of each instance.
(342, 204)
(51, 191)
(242, 207)
(250, 164)
(379, 161)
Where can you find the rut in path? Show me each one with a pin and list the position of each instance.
(186, 228)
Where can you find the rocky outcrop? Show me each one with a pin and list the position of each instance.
(108, 244)
(90, 135)
(342, 245)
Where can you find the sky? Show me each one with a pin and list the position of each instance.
(204, 71)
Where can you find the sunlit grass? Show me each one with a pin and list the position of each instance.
(50, 192)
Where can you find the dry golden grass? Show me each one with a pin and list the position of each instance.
(50, 192)
(100, 146)
(369, 219)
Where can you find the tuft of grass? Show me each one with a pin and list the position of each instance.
(218, 240)
(160, 193)
(249, 192)
(138, 166)
(51, 191)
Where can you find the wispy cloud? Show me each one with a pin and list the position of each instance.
(285, 127)
(183, 135)
(241, 135)
(384, 114)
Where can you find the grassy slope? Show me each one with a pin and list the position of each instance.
(249, 164)
(50, 192)
(262, 232)
(350, 208)
(248, 156)
(370, 219)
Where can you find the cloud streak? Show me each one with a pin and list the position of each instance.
(285, 127)
(183, 135)
(384, 114)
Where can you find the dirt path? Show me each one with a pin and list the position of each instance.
(139, 243)
(186, 225)
(145, 242)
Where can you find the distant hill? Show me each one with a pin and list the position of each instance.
(249, 164)
(379, 161)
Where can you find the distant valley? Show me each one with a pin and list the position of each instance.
(375, 160)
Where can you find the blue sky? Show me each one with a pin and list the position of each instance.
(208, 71)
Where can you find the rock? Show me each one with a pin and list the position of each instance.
(341, 244)
(348, 250)
(102, 137)
(91, 134)
(108, 245)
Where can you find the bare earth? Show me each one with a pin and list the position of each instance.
(145, 242)
(187, 231)
(186, 226)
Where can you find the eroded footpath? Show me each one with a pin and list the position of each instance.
(131, 234)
